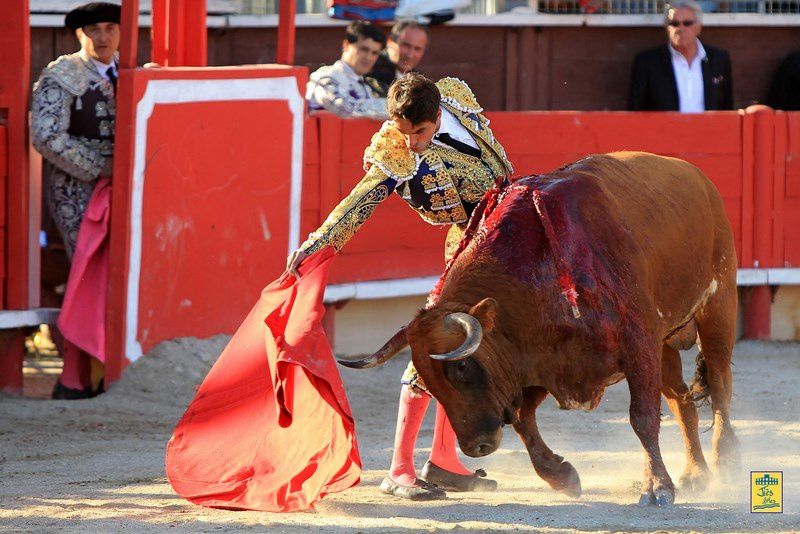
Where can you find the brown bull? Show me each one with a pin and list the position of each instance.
(572, 281)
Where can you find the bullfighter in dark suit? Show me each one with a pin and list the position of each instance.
(684, 75)
(73, 111)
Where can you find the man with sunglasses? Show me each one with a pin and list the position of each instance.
(684, 75)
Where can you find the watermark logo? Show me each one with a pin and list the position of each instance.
(766, 492)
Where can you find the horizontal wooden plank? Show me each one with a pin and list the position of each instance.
(32, 317)
(535, 132)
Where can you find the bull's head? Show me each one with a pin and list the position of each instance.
(457, 354)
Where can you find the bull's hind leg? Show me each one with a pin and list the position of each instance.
(716, 329)
(643, 372)
(551, 467)
(696, 475)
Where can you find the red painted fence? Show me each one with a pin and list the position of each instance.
(753, 158)
(3, 223)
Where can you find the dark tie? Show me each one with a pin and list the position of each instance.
(113, 78)
(458, 145)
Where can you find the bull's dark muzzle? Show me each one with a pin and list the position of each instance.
(483, 444)
(483, 448)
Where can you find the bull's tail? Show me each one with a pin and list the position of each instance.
(699, 390)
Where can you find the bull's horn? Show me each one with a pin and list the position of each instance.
(471, 327)
(398, 342)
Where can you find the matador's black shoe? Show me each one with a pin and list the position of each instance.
(420, 491)
(62, 392)
(449, 481)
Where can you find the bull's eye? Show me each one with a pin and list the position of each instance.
(465, 372)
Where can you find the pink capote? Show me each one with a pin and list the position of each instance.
(270, 427)
(83, 313)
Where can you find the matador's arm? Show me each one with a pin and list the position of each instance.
(352, 212)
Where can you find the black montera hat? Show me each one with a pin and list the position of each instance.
(92, 13)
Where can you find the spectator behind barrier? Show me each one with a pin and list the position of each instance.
(684, 75)
(72, 127)
(341, 87)
(785, 90)
(407, 43)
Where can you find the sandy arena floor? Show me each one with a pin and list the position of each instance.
(97, 465)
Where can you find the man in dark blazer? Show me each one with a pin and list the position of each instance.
(785, 90)
(683, 75)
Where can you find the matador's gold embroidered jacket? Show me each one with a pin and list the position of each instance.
(442, 184)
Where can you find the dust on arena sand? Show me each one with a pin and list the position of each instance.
(97, 465)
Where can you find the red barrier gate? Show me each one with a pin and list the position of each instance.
(397, 244)
(212, 205)
(787, 219)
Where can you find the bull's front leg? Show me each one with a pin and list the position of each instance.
(551, 467)
(643, 372)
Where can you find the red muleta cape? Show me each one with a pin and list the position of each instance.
(270, 427)
(83, 313)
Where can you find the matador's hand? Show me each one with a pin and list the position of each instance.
(294, 260)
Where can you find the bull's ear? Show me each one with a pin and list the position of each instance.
(485, 312)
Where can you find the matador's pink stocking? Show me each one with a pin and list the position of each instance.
(444, 451)
(410, 414)
(76, 373)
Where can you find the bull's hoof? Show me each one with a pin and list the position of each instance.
(665, 497)
(420, 491)
(660, 497)
(449, 481)
(694, 480)
(727, 460)
(567, 480)
(647, 499)
(572, 486)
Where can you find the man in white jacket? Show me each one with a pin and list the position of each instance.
(342, 88)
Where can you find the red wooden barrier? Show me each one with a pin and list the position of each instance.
(206, 207)
(3, 223)
(11, 341)
(286, 33)
(788, 217)
(14, 91)
(396, 243)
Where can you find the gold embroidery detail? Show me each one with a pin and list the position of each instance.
(388, 150)
(345, 220)
(459, 98)
(429, 183)
(465, 180)
(458, 95)
(473, 177)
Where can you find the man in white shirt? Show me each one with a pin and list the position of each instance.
(341, 88)
(684, 75)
